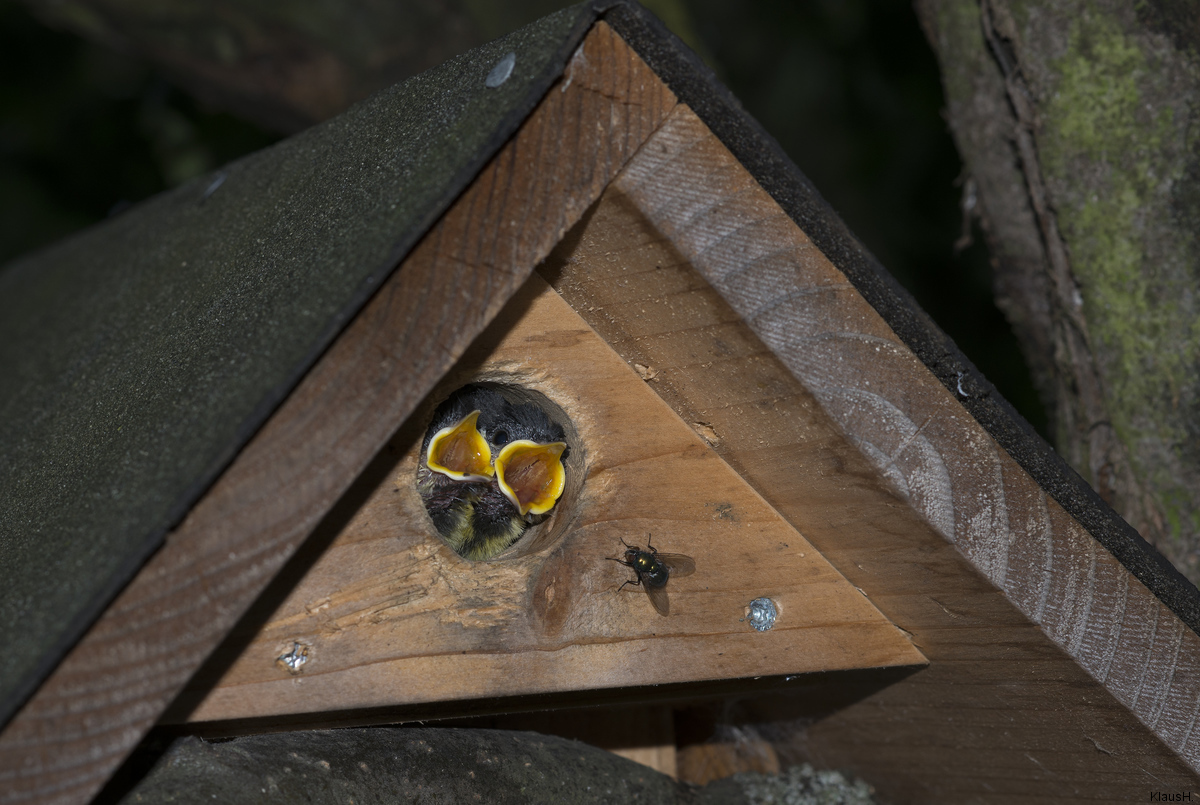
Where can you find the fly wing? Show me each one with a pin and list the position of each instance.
(678, 564)
(658, 597)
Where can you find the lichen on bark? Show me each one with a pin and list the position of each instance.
(1117, 129)
(1109, 92)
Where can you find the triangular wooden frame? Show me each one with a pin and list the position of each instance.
(390, 617)
(115, 683)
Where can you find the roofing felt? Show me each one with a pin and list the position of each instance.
(140, 355)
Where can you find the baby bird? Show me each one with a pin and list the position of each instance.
(489, 469)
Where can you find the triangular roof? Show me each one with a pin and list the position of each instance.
(142, 353)
(148, 350)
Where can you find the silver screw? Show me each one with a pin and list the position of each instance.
(762, 614)
(294, 660)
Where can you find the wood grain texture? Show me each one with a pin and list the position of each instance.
(112, 687)
(644, 733)
(717, 758)
(390, 616)
(1053, 671)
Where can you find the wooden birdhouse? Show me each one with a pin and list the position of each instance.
(217, 404)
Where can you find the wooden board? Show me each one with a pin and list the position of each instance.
(1052, 670)
(643, 733)
(389, 615)
(111, 688)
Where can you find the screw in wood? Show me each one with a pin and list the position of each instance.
(762, 614)
(294, 660)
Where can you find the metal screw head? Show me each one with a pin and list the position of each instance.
(762, 614)
(501, 71)
(294, 660)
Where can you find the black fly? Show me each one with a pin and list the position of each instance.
(653, 569)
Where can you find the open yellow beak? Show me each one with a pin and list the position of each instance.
(460, 451)
(531, 475)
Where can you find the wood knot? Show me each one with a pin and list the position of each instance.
(552, 596)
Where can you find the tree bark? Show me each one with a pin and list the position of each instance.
(1079, 125)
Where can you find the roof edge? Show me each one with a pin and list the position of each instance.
(153, 540)
(695, 84)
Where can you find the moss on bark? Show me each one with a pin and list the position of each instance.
(1112, 94)
(1117, 105)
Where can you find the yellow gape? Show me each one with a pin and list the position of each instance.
(531, 475)
(460, 451)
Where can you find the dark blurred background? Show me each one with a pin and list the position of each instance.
(850, 88)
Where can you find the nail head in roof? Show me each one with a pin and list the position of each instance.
(502, 70)
(214, 186)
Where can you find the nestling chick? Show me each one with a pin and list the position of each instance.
(489, 469)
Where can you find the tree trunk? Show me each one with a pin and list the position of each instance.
(1079, 126)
